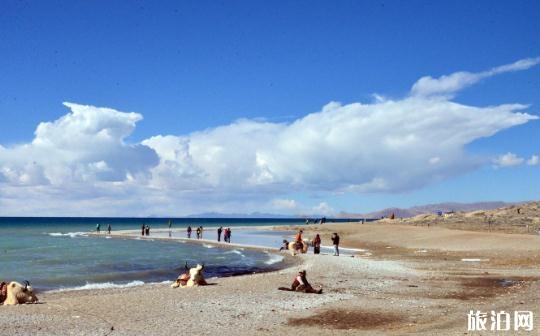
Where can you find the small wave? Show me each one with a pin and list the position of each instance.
(68, 234)
(274, 258)
(208, 246)
(103, 285)
(236, 252)
(474, 259)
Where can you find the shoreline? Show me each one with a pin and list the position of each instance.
(397, 290)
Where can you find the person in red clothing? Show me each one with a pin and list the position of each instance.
(298, 237)
(298, 240)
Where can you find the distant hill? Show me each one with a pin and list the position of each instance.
(514, 218)
(431, 208)
(398, 212)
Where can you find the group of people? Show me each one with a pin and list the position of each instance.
(98, 228)
(145, 230)
(316, 242)
(226, 234)
(316, 221)
(199, 231)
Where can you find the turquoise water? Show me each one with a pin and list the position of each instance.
(55, 253)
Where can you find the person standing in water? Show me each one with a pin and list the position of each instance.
(228, 235)
(142, 229)
(147, 230)
(109, 228)
(219, 230)
(189, 231)
(202, 229)
(335, 241)
(98, 228)
(199, 232)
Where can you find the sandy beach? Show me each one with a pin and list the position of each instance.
(409, 280)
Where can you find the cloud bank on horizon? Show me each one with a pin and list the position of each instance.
(80, 164)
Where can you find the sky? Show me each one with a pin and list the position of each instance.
(144, 108)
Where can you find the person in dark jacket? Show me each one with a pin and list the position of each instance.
(335, 241)
(316, 244)
(219, 230)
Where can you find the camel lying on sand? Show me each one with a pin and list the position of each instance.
(191, 277)
(14, 293)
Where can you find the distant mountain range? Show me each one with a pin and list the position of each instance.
(429, 208)
(398, 212)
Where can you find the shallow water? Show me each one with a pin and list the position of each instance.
(57, 254)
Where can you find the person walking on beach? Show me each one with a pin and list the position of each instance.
(199, 232)
(147, 230)
(316, 244)
(98, 228)
(109, 228)
(142, 229)
(335, 241)
(219, 230)
(189, 231)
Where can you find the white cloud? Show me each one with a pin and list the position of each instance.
(86, 145)
(508, 160)
(434, 160)
(534, 160)
(323, 209)
(450, 84)
(81, 164)
(285, 204)
(343, 147)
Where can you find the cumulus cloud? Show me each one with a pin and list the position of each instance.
(82, 160)
(323, 209)
(449, 84)
(285, 204)
(389, 146)
(534, 160)
(508, 160)
(84, 146)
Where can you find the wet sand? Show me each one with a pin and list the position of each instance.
(409, 281)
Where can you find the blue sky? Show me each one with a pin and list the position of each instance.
(187, 67)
